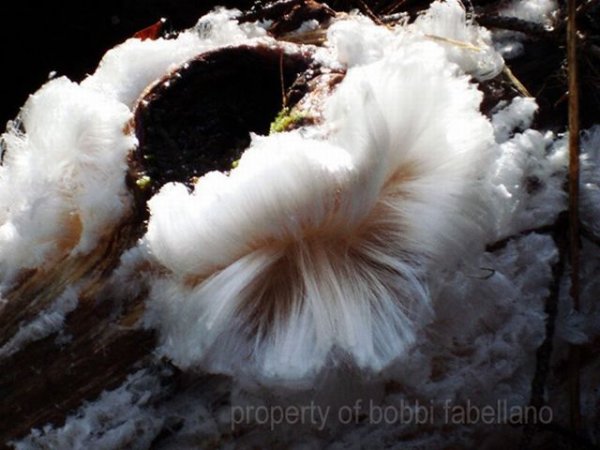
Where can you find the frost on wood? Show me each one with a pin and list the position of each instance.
(391, 238)
(47, 323)
(62, 175)
(332, 254)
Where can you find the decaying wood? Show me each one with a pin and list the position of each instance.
(181, 138)
(48, 379)
(290, 15)
(40, 287)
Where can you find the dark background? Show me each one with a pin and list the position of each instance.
(39, 37)
(70, 38)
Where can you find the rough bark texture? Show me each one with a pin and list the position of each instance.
(46, 379)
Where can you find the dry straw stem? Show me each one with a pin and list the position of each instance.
(313, 37)
(368, 12)
(516, 82)
(574, 357)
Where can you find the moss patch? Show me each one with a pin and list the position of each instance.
(284, 120)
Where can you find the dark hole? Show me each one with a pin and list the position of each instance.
(199, 118)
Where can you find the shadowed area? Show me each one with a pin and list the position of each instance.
(199, 118)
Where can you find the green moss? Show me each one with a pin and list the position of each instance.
(143, 182)
(284, 120)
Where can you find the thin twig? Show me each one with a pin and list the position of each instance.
(282, 81)
(392, 8)
(516, 82)
(544, 351)
(498, 245)
(456, 43)
(514, 24)
(585, 7)
(582, 10)
(574, 357)
(313, 37)
(367, 12)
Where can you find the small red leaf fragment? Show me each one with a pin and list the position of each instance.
(152, 32)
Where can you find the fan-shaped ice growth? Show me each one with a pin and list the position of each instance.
(528, 173)
(356, 40)
(466, 44)
(62, 179)
(313, 251)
